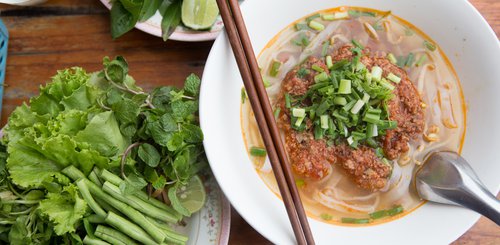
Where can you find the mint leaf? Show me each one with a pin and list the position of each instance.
(175, 142)
(149, 155)
(192, 85)
(182, 109)
(159, 183)
(192, 133)
(132, 184)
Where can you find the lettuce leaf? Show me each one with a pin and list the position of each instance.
(64, 209)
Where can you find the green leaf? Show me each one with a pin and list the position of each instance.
(132, 6)
(192, 133)
(149, 155)
(103, 135)
(132, 184)
(64, 209)
(19, 232)
(192, 85)
(161, 97)
(159, 183)
(182, 109)
(168, 123)
(148, 9)
(122, 20)
(175, 142)
(171, 19)
(117, 70)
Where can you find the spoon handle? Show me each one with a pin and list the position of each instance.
(489, 206)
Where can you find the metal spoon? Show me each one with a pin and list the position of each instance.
(446, 177)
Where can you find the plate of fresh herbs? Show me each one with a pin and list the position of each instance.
(94, 159)
(182, 20)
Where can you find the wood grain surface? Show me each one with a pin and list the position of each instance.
(65, 33)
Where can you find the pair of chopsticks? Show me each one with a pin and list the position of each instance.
(252, 79)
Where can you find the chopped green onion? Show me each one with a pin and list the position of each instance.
(275, 68)
(317, 68)
(329, 61)
(366, 98)
(324, 49)
(350, 140)
(392, 58)
(318, 133)
(288, 102)
(396, 210)
(258, 151)
(341, 15)
(266, 83)
(302, 40)
(357, 44)
(321, 77)
(376, 73)
(339, 101)
(371, 118)
(316, 25)
(328, 16)
(393, 78)
(371, 130)
(299, 112)
(312, 17)
(301, 26)
(355, 221)
(345, 86)
(300, 182)
(430, 46)
(386, 84)
(357, 107)
(339, 117)
(243, 95)
(410, 59)
(368, 77)
(401, 61)
(360, 66)
(302, 72)
(324, 121)
(277, 113)
(299, 121)
(326, 217)
(349, 105)
(323, 107)
(421, 60)
(379, 214)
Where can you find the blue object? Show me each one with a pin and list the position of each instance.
(4, 40)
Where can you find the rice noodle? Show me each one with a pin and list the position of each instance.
(318, 40)
(421, 77)
(389, 35)
(371, 31)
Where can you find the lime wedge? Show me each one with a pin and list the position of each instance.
(199, 14)
(191, 196)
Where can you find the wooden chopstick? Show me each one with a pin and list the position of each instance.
(268, 113)
(247, 64)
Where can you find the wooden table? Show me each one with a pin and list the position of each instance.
(65, 33)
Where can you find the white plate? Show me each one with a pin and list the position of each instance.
(474, 51)
(181, 33)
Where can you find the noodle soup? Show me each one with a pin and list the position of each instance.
(335, 191)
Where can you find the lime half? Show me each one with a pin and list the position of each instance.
(199, 14)
(192, 196)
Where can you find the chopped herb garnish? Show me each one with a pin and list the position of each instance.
(357, 44)
(326, 217)
(430, 46)
(355, 221)
(410, 59)
(392, 58)
(302, 40)
(277, 113)
(301, 26)
(421, 60)
(396, 210)
(329, 61)
(302, 72)
(409, 31)
(243, 95)
(312, 17)
(266, 82)
(275, 68)
(357, 13)
(258, 151)
(349, 104)
(379, 214)
(324, 49)
(316, 25)
(300, 183)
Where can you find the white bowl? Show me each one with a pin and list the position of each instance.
(474, 51)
